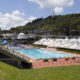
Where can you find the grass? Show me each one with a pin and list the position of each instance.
(38, 46)
(69, 50)
(8, 72)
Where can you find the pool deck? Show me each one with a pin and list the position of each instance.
(52, 49)
(60, 62)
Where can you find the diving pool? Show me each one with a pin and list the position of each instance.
(41, 53)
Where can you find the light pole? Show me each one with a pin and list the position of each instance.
(15, 39)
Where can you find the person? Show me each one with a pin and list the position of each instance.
(13, 50)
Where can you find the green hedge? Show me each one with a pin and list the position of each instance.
(69, 50)
(38, 46)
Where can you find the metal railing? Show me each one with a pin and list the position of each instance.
(16, 54)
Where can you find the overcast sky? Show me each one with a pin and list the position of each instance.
(14, 13)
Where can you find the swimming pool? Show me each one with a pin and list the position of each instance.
(41, 53)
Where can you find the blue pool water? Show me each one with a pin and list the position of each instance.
(41, 53)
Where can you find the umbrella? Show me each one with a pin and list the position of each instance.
(5, 42)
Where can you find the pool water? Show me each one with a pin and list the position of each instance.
(41, 53)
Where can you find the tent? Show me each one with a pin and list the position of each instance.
(21, 36)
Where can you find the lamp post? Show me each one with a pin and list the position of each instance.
(15, 39)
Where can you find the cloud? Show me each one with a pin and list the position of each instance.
(31, 18)
(16, 18)
(58, 9)
(16, 12)
(54, 3)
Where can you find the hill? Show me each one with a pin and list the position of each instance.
(58, 25)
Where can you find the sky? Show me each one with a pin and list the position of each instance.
(15, 13)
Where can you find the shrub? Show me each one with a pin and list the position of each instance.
(45, 60)
(73, 58)
(67, 58)
(54, 59)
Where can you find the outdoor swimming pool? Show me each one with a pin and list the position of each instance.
(41, 53)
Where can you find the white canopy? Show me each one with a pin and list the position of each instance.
(21, 36)
(72, 43)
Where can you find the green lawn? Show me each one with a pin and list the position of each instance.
(8, 72)
(69, 50)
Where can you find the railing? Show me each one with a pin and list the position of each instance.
(21, 56)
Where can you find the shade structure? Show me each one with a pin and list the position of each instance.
(5, 42)
(65, 42)
(40, 42)
(50, 42)
(59, 43)
(73, 40)
(21, 36)
(47, 41)
(55, 43)
(73, 46)
(72, 43)
(76, 45)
